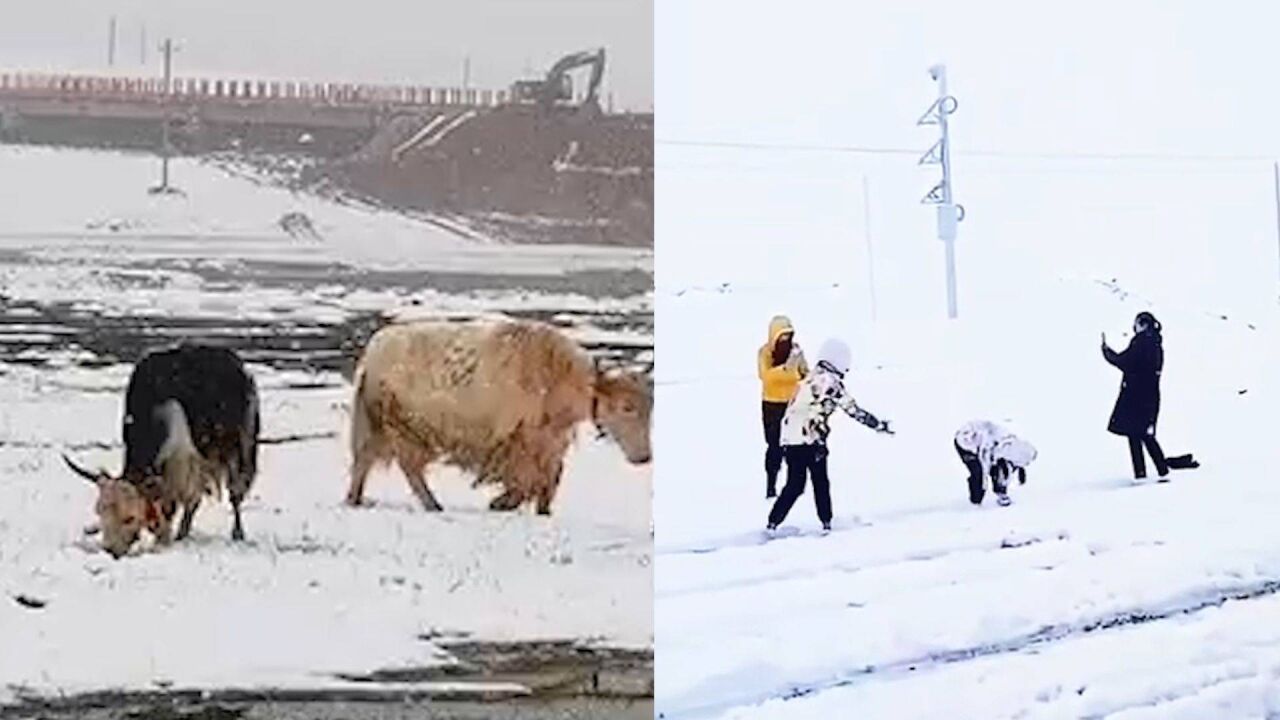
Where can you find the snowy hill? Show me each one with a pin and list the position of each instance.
(71, 197)
(1090, 596)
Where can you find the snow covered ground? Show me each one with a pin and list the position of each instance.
(1089, 597)
(80, 201)
(321, 590)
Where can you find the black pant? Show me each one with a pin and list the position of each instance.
(771, 413)
(1136, 443)
(999, 478)
(802, 460)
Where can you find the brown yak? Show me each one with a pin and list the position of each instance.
(500, 399)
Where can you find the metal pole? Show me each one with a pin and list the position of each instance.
(466, 73)
(111, 43)
(950, 240)
(1277, 176)
(871, 262)
(942, 195)
(164, 132)
(142, 45)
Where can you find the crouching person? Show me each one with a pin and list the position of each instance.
(805, 428)
(988, 450)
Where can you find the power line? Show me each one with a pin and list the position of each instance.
(783, 146)
(995, 154)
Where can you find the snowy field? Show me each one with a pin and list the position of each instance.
(1091, 596)
(78, 201)
(321, 590)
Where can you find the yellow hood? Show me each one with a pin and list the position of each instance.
(780, 325)
(778, 383)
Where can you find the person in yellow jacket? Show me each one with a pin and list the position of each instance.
(781, 366)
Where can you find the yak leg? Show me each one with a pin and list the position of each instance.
(510, 499)
(188, 513)
(239, 481)
(413, 463)
(365, 458)
(163, 529)
(237, 528)
(551, 448)
(533, 468)
(547, 490)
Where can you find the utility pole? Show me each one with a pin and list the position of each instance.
(142, 46)
(1277, 175)
(866, 228)
(466, 73)
(167, 89)
(949, 213)
(111, 43)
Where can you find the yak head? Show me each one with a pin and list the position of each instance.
(124, 508)
(622, 408)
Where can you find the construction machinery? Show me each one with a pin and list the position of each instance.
(557, 87)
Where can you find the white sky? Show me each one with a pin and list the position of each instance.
(420, 41)
(1134, 76)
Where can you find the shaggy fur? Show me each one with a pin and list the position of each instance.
(190, 426)
(498, 399)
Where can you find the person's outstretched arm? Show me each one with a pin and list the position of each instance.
(850, 407)
(1118, 359)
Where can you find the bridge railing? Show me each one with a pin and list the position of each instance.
(146, 89)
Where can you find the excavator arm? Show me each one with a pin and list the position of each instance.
(555, 80)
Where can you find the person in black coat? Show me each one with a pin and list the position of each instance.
(1138, 406)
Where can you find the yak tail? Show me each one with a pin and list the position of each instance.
(362, 426)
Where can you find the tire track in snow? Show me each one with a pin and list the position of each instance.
(1185, 605)
(920, 555)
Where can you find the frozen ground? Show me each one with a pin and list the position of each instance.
(1089, 597)
(321, 592)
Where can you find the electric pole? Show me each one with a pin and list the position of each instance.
(949, 213)
(111, 43)
(142, 45)
(866, 228)
(466, 73)
(1277, 175)
(166, 93)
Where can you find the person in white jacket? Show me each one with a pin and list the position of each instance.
(988, 450)
(805, 428)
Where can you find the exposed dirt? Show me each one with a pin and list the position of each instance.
(541, 679)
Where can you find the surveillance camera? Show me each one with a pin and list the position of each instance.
(936, 71)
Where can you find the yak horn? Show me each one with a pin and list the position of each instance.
(91, 477)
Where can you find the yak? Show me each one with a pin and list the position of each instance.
(498, 398)
(190, 425)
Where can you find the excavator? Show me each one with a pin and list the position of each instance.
(557, 87)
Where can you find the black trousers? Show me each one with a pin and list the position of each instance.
(1136, 444)
(977, 490)
(771, 413)
(802, 461)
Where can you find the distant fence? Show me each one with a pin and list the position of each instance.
(141, 89)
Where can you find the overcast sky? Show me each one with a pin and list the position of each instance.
(419, 41)
(1088, 75)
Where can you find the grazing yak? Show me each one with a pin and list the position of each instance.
(190, 424)
(500, 399)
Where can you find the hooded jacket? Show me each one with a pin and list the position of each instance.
(779, 382)
(992, 443)
(807, 421)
